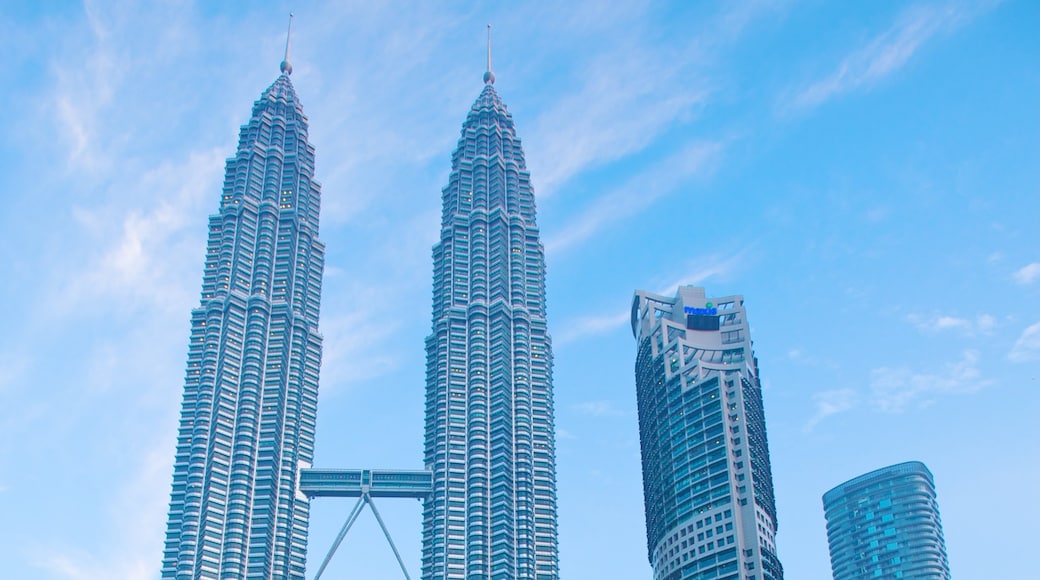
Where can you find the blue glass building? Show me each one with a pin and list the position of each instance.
(489, 408)
(707, 481)
(885, 524)
(251, 387)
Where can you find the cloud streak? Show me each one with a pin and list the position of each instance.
(136, 524)
(638, 193)
(935, 324)
(884, 55)
(894, 390)
(897, 390)
(585, 130)
(830, 403)
(147, 262)
(576, 329)
(1027, 347)
(598, 409)
(1027, 274)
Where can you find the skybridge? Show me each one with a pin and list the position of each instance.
(364, 484)
(357, 482)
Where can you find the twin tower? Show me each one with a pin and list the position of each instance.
(242, 479)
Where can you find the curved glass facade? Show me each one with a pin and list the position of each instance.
(251, 387)
(489, 406)
(707, 481)
(885, 524)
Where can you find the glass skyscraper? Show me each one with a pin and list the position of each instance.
(885, 524)
(251, 388)
(489, 408)
(707, 482)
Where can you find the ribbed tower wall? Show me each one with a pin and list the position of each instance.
(489, 407)
(250, 392)
(885, 524)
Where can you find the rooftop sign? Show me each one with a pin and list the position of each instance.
(708, 310)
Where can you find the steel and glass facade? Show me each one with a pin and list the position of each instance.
(489, 407)
(707, 481)
(885, 524)
(251, 387)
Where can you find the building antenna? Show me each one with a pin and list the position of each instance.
(286, 66)
(489, 77)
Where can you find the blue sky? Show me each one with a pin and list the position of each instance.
(866, 174)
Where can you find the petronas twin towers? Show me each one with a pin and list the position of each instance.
(250, 395)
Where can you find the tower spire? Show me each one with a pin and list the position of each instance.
(286, 66)
(489, 77)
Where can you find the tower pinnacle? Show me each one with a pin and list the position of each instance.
(489, 77)
(286, 66)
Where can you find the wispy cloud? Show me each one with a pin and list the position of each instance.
(12, 368)
(356, 347)
(801, 357)
(589, 326)
(1027, 347)
(564, 434)
(136, 524)
(893, 390)
(983, 323)
(585, 130)
(362, 343)
(598, 409)
(885, 54)
(833, 402)
(637, 194)
(1027, 274)
(716, 266)
(633, 90)
(146, 262)
(82, 90)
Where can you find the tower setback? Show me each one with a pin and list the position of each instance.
(251, 387)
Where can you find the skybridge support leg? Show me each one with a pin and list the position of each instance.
(354, 513)
(388, 538)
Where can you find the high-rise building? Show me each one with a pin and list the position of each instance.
(489, 404)
(707, 482)
(251, 388)
(885, 524)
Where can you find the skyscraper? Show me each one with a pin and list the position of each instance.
(707, 482)
(251, 388)
(489, 406)
(885, 524)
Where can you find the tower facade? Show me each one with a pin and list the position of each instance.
(707, 482)
(885, 524)
(251, 387)
(489, 408)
